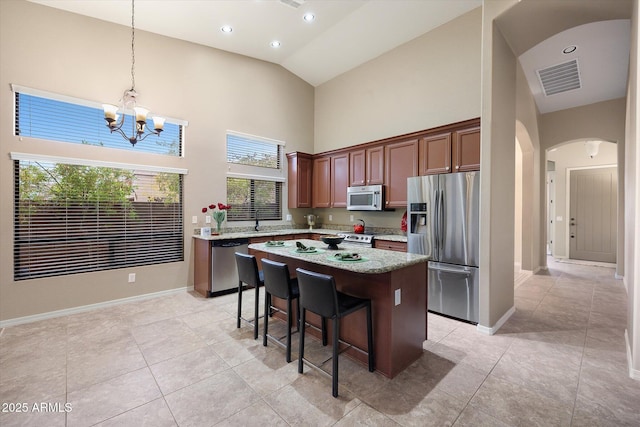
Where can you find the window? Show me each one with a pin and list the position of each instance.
(248, 196)
(255, 177)
(75, 218)
(64, 119)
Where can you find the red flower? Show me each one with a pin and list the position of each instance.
(212, 206)
(204, 210)
(221, 206)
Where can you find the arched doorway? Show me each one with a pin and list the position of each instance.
(585, 219)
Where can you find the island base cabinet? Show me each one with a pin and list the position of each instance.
(399, 330)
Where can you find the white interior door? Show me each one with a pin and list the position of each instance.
(593, 209)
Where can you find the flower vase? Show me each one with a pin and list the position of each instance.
(219, 225)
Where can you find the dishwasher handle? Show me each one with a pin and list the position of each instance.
(229, 243)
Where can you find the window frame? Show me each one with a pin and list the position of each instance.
(177, 224)
(257, 173)
(18, 89)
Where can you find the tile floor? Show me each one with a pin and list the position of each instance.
(179, 360)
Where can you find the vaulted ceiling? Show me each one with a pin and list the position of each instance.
(348, 33)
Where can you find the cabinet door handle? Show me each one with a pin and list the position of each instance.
(446, 168)
(457, 167)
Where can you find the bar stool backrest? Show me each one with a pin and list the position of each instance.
(248, 269)
(277, 280)
(318, 293)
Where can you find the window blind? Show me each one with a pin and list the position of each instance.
(252, 151)
(76, 218)
(64, 119)
(251, 197)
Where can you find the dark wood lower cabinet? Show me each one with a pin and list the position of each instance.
(390, 245)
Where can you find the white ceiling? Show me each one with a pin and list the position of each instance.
(345, 33)
(602, 52)
(348, 33)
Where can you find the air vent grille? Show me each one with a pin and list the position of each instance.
(560, 78)
(293, 3)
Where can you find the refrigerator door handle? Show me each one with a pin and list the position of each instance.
(450, 270)
(436, 226)
(441, 225)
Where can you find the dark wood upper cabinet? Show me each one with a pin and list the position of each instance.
(357, 167)
(300, 166)
(366, 166)
(339, 180)
(375, 165)
(435, 154)
(401, 162)
(466, 150)
(321, 183)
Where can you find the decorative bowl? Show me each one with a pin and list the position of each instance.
(332, 240)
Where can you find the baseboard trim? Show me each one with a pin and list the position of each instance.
(633, 373)
(492, 330)
(83, 308)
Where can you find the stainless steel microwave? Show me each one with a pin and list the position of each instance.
(365, 198)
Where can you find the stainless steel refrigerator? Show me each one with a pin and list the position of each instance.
(443, 222)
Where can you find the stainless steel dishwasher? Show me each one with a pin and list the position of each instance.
(224, 272)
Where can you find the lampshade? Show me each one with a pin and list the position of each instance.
(592, 148)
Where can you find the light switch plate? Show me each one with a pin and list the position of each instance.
(132, 277)
(397, 297)
(330, 217)
(350, 218)
(194, 219)
(207, 219)
(288, 217)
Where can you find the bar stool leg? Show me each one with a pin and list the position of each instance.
(370, 338)
(255, 317)
(301, 349)
(336, 337)
(267, 305)
(289, 315)
(239, 302)
(324, 332)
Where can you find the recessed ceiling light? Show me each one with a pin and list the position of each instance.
(569, 49)
(274, 43)
(226, 29)
(309, 17)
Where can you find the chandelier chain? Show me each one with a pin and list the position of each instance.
(133, 50)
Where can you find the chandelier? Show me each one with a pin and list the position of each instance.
(139, 129)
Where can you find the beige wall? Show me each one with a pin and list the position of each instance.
(497, 170)
(52, 50)
(573, 156)
(533, 241)
(430, 81)
(632, 205)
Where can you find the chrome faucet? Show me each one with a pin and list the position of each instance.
(257, 227)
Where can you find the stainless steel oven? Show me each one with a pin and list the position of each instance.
(355, 239)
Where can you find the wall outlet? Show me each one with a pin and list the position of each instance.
(207, 219)
(132, 277)
(288, 217)
(330, 217)
(397, 297)
(350, 218)
(194, 219)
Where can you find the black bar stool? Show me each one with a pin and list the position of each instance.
(278, 283)
(318, 294)
(248, 274)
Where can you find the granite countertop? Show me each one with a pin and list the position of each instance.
(289, 231)
(374, 261)
(266, 233)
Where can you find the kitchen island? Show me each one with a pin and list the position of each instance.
(395, 282)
